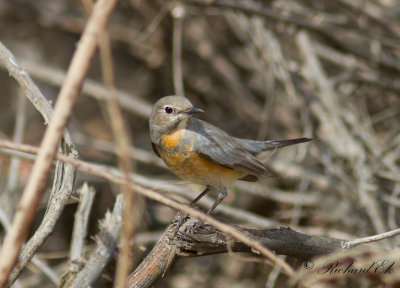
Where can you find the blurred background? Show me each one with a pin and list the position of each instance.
(259, 69)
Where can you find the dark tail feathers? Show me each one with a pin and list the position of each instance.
(274, 144)
(256, 147)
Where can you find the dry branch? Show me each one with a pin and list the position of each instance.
(107, 240)
(86, 197)
(207, 240)
(122, 139)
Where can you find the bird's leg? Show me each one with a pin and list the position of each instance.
(181, 218)
(199, 223)
(201, 195)
(222, 193)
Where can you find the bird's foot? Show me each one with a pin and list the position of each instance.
(179, 220)
(196, 226)
(187, 225)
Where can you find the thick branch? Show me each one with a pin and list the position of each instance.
(195, 238)
(283, 241)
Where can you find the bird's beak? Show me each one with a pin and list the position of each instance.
(192, 111)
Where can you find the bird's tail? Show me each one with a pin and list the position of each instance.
(256, 147)
(274, 144)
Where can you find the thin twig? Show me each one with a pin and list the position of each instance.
(154, 23)
(178, 14)
(123, 143)
(18, 136)
(10, 194)
(86, 197)
(52, 275)
(356, 242)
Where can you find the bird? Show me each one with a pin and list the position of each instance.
(202, 153)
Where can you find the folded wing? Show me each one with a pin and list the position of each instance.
(217, 146)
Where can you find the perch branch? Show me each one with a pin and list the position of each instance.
(198, 239)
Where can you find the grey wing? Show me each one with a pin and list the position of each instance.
(217, 146)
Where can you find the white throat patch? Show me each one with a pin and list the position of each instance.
(183, 123)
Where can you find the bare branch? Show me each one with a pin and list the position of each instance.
(157, 261)
(123, 142)
(178, 14)
(356, 242)
(106, 243)
(87, 194)
(17, 138)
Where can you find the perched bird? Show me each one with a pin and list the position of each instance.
(201, 153)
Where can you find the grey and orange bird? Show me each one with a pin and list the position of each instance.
(201, 153)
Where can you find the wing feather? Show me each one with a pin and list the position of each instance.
(217, 146)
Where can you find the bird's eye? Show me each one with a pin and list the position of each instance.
(168, 110)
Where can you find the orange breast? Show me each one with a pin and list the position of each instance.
(171, 140)
(202, 171)
(192, 167)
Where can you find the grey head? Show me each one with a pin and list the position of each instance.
(168, 113)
